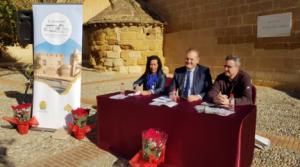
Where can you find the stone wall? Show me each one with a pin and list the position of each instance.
(125, 49)
(222, 27)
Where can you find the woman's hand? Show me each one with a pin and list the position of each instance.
(145, 93)
(135, 87)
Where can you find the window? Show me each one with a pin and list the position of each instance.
(44, 62)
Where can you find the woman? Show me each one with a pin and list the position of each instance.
(153, 79)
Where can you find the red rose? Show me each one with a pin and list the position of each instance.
(21, 106)
(80, 112)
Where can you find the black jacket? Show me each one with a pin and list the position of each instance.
(159, 88)
(201, 81)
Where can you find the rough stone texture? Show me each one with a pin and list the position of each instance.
(135, 69)
(220, 28)
(133, 44)
(280, 107)
(124, 11)
(129, 27)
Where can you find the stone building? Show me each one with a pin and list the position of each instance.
(123, 35)
(75, 62)
(219, 28)
(53, 66)
(49, 63)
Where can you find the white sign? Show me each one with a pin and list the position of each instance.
(275, 25)
(56, 28)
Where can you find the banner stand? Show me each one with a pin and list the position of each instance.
(57, 63)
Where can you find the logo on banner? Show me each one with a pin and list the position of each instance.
(56, 28)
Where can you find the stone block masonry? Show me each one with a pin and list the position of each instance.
(126, 48)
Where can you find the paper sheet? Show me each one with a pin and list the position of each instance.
(118, 97)
(134, 94)
(213, 110)
(163, 100)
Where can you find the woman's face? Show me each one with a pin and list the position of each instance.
(153, 66)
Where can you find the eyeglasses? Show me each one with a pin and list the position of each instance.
(227, 66)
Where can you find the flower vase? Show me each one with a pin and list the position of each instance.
(23, 127)
(79, 134)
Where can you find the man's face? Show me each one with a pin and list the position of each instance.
(191, 60)
(231, 68)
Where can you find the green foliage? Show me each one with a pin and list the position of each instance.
(8, 9)
(7, 23)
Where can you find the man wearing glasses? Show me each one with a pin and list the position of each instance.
(233, 81)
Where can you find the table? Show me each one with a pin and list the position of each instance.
(194, 139)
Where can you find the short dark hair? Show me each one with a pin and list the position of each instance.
(234, 58)
(149, 59)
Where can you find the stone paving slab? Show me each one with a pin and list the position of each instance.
(84, 155)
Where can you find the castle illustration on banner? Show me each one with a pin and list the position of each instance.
(53, 66)
(52, 69)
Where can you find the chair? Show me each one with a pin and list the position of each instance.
(167, 85)
(253, 94)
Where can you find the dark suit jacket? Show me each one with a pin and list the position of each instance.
(201, 80)
(159, 88)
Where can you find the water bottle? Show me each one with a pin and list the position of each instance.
(231, 102)
(122, 89)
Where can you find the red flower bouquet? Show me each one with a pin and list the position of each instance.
(22, 118)
(153, 149)
(79, 126)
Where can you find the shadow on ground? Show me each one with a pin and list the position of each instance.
(20, 97)
(292, 93)
(121, 162)
(3, 153)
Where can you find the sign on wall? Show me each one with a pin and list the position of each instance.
(275, 25)
(57, 62)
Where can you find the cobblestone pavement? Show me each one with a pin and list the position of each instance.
(278, 118)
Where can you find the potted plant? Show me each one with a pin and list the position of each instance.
(153, 149)
(79, 127)
(22, 119)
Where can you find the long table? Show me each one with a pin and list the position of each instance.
(194, 139)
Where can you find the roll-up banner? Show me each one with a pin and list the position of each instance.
(57, 63)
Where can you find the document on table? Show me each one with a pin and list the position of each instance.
(118, 97)
(163, 100)
(134, 94)
(213, 110)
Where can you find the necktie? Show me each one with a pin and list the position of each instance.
(187, 84)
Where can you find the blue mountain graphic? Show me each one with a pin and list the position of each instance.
(66, 49)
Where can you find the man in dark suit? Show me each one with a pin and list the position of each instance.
(192, 81)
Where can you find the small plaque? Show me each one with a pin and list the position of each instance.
(275, 25)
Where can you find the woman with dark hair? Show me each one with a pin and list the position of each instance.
(153, 79)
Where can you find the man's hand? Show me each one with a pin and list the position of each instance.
(173, 96)
(145, 93)
(193, 98)
(221, 100)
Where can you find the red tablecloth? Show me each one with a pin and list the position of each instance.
(193, 139)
